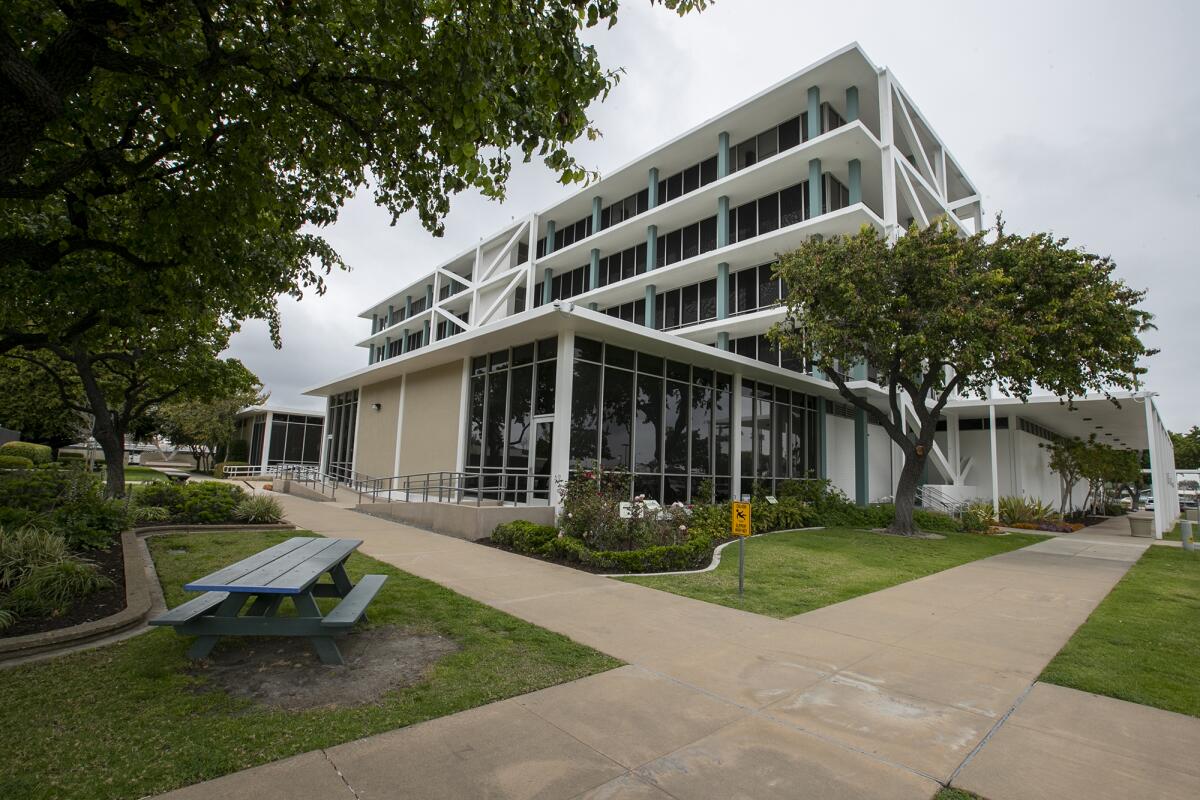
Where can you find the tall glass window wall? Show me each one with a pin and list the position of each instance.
(509, 430)
(779, 437)
(668, 423)
(341, 418)
(295, 439)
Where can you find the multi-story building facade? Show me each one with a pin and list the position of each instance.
(626, 325)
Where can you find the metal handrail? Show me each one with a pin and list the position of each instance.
(493, 485)
(932, 497)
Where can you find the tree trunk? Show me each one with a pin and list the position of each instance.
(906, 494)
(104, 428)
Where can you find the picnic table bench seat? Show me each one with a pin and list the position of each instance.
(289, 569)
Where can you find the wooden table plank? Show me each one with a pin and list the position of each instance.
(304, 575)
(263, 575)
(234, 571)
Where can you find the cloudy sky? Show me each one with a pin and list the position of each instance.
(1081, 118)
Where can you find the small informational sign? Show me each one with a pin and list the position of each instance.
(740, 519)
(771, 500)
(625, 510)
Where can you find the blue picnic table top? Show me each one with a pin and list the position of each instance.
(288, 568)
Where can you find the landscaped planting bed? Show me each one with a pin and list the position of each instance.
(599, 530)
(1142, 642)
(137, 718)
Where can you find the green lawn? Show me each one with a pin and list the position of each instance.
(1176, 533)
(797, 571)
(126, 720)
(1142, 643)
(135, 473)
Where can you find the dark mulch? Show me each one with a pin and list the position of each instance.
(97, 606)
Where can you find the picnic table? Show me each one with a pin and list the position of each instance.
(289, 569)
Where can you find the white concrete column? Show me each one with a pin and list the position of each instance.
(1157, 476)
(888, 154)
(995, 467)
(464, 415)
(399, 425)
(266, 452)
(560, 449)
(358, 415)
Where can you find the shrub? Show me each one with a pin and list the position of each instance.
(218, 470)
(89, 521)
(159, 494)
(51, 589)
(258, 509)
(142, 515)
(209, 502)
(696, 551)
(37, 453)
(24, 549)
(15, 462)
(524, 536)
(1025, 509)
(978, 518)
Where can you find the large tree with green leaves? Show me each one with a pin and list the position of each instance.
(206, 424)
(162, 159)
(30, 403)
(130, 374)
(936, 312)
(1187, 449)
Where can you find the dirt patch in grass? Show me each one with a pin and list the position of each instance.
(285, 673)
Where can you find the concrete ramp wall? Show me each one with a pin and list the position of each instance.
(461, 521)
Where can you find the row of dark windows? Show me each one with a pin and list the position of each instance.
(774, 140)
(761, 348)
(779, 436)
(295, 439)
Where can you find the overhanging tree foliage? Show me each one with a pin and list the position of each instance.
(30, 403)
(160, 160)
(206, 424)
(937, 312)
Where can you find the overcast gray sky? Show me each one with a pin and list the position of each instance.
(1077, 117)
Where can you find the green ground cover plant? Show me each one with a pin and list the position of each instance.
(40, 575)
(1141, 642)
(130, 720)
(792, 572)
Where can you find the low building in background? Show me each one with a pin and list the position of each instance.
(278, 436)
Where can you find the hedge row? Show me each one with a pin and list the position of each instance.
(545, 540)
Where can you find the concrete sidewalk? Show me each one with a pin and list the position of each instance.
(886, 695)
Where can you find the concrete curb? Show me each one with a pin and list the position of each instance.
(716, 560)
(139, 597)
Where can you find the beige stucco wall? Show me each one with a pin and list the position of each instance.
(376, 453)
(432, 403)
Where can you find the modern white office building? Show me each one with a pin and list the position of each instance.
(626, 324)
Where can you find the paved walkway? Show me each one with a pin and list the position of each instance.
(887, 695)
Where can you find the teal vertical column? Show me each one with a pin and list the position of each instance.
(814, 112)
(723, 341)
(595, 215)
(652, 187)
(722, 221)
(374, 324)
(855, 169)
(722, 154)
(594, 269)
(387, 345)
(425, 334)
(407, 306)
(814, 188)
(851, 103)
(722, 290)
(391, 317)
(650, 294)
(549, 237)
(371, 355)
(822, 440)
(547, 277)
(862, 494)
(428, 296)
(404, 340)
(651, 246)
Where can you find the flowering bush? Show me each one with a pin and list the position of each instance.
(591, 513)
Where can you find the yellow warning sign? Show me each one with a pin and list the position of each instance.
(740, 519)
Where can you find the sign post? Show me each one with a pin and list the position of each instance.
(739, 523)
